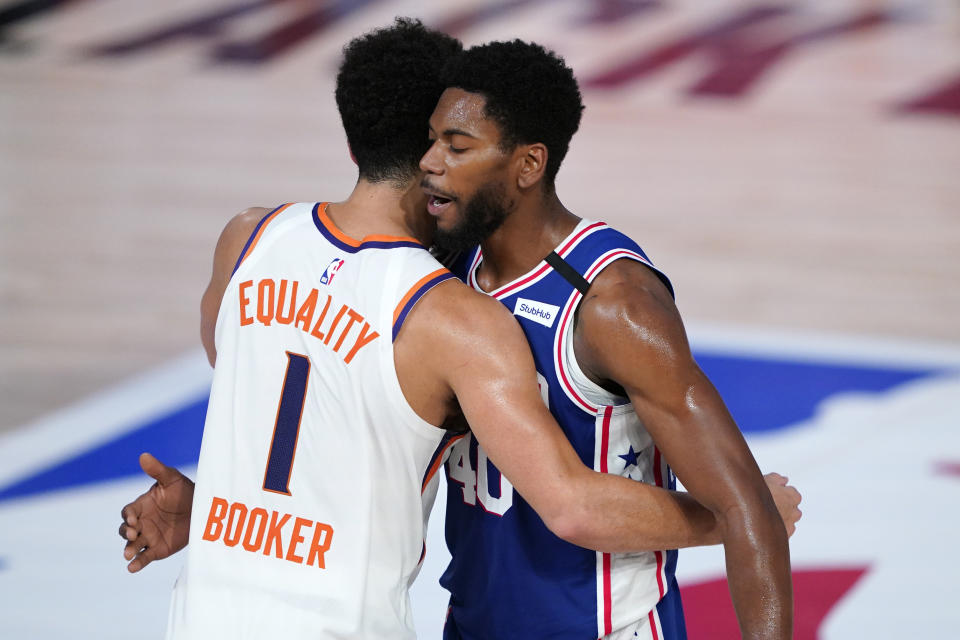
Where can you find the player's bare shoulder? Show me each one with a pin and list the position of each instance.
(229, 246)
(627, 293)
(460, 333)
(445, 338)
(628, 284)
(238, 230)
(457, 319)
(628, 315)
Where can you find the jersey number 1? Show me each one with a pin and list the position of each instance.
(283, 447)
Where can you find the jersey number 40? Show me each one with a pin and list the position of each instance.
(476, 482)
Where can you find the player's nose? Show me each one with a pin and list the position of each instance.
(430, 162)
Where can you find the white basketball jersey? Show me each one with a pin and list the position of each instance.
(315, 477)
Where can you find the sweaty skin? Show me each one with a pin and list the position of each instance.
(629, 338)
(629, 334)
(459, 348)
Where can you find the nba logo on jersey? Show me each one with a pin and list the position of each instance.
(331, 271)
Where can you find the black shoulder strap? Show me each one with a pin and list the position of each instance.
(569, 273)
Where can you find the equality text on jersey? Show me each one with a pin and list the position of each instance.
(272, 301)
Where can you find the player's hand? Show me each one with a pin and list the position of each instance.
(157, 524)
(787, 499)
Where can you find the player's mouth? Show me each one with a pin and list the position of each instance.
(437, 201)
(436, 205)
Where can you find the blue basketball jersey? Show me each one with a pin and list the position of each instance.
(510, 577)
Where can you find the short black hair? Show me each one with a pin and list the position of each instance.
(530, 93)
(387, 87)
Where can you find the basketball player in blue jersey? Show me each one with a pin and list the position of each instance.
(614, 367)
(456, 353)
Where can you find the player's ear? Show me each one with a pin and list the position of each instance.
(352, 157)
(533, 164)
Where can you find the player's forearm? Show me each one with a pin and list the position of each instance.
(615, 514)
(758, 572)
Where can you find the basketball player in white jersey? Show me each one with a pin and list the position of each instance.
(610, 346)
(341, 347)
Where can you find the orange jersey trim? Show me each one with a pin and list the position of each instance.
(258, 232)
(344, 238)
(415, 288)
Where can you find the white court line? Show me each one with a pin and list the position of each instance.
(103, 416)
(828, 348)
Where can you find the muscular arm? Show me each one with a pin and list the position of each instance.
(468, 343)
(630, 334)
(232, 239)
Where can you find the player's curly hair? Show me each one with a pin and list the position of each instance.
(387, 87)
(530, 93)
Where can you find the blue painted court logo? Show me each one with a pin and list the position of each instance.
(331, 271)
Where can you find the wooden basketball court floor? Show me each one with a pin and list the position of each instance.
(810, 196)
(794, 166)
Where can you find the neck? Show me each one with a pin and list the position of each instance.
(383, 208)
(534, 229)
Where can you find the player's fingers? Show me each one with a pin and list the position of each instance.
(143, 558)
(128, 532)
(795, 496)
(792, 522)
(157, 470)
(129, 514)
(776, 478)
(131, 549)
